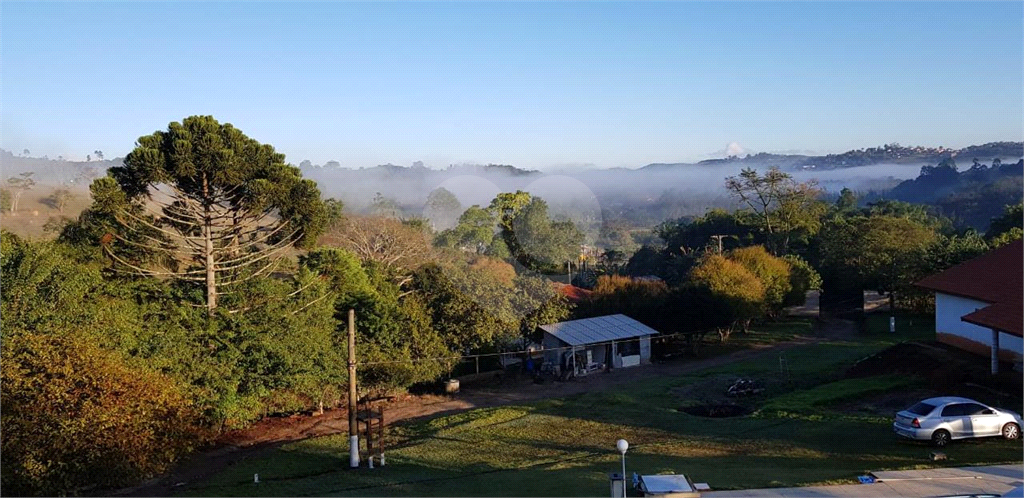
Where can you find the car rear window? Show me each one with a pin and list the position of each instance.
(921, 409)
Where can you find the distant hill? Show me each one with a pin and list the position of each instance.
(886, 154)
(54, 172)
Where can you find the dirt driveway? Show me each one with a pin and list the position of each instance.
(273, 432)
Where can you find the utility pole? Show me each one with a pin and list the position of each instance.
(353, 429)
(719, 239)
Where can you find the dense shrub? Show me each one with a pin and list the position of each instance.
(76, 416)
(774, 274)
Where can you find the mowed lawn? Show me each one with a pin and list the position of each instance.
(797, 435)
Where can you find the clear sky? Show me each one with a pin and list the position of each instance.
(529, 84)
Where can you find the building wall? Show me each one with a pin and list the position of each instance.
(551, 354)
(949, 328)
(554, 355)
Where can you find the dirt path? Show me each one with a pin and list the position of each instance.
(273, 432)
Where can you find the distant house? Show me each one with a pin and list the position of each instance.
(590, 344)
(978, 304)
(572, 293)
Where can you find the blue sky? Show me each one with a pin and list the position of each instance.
(530, 84)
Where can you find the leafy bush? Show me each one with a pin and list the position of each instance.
(740, 291)
(774, 274)
(75, 415)
(802, 278)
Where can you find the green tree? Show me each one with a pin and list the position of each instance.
(786, 209)
(227, 202)
(475, 231)
(847, 200)
(335, 212)
(683, 236)
(879, 252)
(802, 278)
(774, 273)
(506, 206)
(740, 294)
(539, 243)
(1012, 217)
(442, 208)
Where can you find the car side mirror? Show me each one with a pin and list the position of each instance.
(988, 412)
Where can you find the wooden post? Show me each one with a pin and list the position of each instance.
(353, 427)
(369, 433)
(478, 365)
(380, 439)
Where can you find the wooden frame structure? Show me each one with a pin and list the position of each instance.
(370, 422)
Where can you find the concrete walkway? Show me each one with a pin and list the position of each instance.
(995, 479)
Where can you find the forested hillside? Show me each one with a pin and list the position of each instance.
(970, 197)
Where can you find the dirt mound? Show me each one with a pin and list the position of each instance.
(943, 366)
(908, 357)
(716, 411)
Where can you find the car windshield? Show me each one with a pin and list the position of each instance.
(921, 409)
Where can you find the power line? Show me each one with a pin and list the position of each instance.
(487, 355)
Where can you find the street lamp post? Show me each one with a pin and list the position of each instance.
(622, 446)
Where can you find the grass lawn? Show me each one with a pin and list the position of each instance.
(796, 435)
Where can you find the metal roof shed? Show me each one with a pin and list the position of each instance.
(592, 343)
(668, 486)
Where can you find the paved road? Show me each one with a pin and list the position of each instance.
(995, 479)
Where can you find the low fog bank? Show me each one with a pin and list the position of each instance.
(699, 186)
(643, 197)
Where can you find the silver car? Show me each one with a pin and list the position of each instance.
(941, 420)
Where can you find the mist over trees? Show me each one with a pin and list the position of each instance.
(208, 284)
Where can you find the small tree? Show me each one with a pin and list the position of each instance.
(18, 186)
(786, 208)
(741, 292)
(59, 199)
(802, 278)
(442, 208)
(773, 272)
(385, 207)
(99, 154)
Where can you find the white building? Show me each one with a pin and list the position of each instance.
(978, 304)
(591, 344)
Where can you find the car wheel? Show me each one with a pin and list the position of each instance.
(940, 438)
(1011, 431)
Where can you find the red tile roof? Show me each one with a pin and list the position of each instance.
(996, 277)
(1001, 316)
(573, 293)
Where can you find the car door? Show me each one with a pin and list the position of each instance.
(984, 420)
(953, 417)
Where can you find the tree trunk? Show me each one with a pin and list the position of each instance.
(211, 275)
